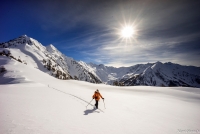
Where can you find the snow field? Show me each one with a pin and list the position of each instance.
(32, 102)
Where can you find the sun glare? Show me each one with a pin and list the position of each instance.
(127, 32)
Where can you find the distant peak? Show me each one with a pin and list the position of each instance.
(24, 36)
(158, 63)
(169, 63)
(51, 46)
(101, 64)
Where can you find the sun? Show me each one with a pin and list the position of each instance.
(127, 32)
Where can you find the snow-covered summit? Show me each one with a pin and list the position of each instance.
(166, 74)
(151, 74)
(47, 59)
(50, 60)
(52, 49)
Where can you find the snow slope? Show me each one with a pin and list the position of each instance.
(47, 59)
(33, 102)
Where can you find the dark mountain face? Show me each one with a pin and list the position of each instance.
(165, 75)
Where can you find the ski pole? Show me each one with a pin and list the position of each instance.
(89, 103)
(104, 104)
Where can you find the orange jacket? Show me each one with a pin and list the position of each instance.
(97, 96)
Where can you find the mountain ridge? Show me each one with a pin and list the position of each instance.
(47, 59)
(50, 60)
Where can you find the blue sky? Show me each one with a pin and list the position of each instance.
(88, 30)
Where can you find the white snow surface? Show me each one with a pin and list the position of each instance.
(33, 102)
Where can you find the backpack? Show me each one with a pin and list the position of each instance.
(96, 96)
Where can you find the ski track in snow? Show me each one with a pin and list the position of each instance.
(75, 97)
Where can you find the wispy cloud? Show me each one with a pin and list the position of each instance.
(122, 54)
(165, 29)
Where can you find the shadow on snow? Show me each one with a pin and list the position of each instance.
(89, 111)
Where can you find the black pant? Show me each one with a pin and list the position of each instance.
(96, 104)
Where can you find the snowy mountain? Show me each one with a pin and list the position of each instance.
(47, 59)
(151, 74)
(109, 74)
(50, 60)
(75, 69)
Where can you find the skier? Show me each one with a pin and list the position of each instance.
(97, 96)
